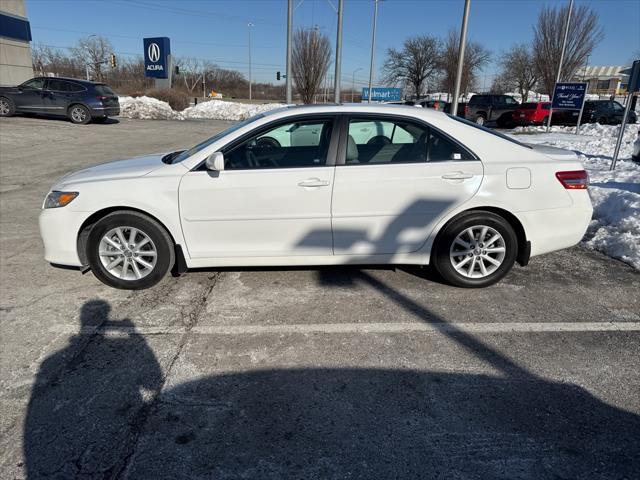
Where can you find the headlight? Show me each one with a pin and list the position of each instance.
(59, 199)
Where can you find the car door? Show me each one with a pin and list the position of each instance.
(56, 96)
(503, 104)
(388, 194)
(29, 96)
(273, 199)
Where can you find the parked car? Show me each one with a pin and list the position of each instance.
(595, 111)
(442, 106)
(635, 156)
(79, 100)
(488, 108)
(532, 113)
(430, 189)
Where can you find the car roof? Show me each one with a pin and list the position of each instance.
(382, 108)
(77, 80)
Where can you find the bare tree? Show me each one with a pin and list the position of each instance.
(415, 65)
(192, 70)
(584, 34)
(518, 70)
(93, 51)
(501, 84)
(310, 62)
(476, 58)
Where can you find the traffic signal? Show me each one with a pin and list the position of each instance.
(176, 70)
(113, 60)
(278, 76)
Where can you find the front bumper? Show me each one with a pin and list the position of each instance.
(59, 229)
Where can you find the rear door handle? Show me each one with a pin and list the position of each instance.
(313, 182)
(457, 176)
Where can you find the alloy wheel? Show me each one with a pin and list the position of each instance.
(4, 107)
(477, 251)
(78, 114)
(127, 253)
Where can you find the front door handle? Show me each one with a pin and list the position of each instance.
(457, 176)
(313, 182)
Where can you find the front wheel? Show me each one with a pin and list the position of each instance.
(480, 120)
(475, 250)
(129, 250)
(7, 108)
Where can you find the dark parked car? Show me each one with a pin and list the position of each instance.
(487, 108)
(595, 111)
(79, 100)
(442, 106)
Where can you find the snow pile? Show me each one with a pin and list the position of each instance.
(615, 227)
(146, 108)
(220, 110)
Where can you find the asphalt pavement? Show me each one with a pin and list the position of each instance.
(327, 373)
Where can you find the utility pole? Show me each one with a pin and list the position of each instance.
(564, 46)
(373, 47)
(336, 84)
(353, 83)
(289, 98)
(249, 25)
(463, 44)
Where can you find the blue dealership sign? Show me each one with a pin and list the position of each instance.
(569, 96)
(383, 94)
(156, 57)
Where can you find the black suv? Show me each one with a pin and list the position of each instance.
(79, 100)
(487, 108)
(595, 111)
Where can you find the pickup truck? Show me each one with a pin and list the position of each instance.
(489, 108)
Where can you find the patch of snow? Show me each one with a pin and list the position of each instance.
(615, 227)
(146, 108)
(220, 110)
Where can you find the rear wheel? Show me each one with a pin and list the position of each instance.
(129, 250)
(7, 108)
(79, 114)
(475, 250)
(480, 120)
(602, 120)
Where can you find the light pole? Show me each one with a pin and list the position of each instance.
(463, 43)
(336, 87)
(289, 50)
(564, 46)
(249, 25)
(353, 83)
(373, 47)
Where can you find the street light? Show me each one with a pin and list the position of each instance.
(353, 83)
(373, 47)
(249, 25)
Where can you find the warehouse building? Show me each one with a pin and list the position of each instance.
(606, 80)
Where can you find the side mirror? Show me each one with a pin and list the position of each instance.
(215, 162)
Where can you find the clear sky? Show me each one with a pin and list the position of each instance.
(217, 29)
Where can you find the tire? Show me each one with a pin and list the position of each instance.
(470, 264)
(480, 120)
(79, 114)
(7, 107)
(602, 120)
(150, 235)
(544, 121)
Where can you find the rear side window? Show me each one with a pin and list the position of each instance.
(509, 100)
(58, 85)
(479, 99)
(103, 89)
(75, 87)
(545, 106)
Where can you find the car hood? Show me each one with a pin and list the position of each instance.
(554, 152)
(134, 167)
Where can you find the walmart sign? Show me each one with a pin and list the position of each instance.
(383, 94)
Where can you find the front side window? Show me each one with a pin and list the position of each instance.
(292, 145)
(510, 101)
(616, 106)
(385, 141)
(34, 84)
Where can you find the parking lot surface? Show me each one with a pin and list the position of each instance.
(328, 373)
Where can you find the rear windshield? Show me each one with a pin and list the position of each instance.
(488, 130)
(528, 106)
(103, 89)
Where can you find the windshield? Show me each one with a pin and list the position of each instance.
(488, 130)
(195, 149)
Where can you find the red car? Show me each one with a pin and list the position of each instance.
(532, 113)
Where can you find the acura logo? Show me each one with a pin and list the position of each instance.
(153, 52)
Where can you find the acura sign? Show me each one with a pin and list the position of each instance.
(156, 54)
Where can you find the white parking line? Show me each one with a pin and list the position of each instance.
(524, 327)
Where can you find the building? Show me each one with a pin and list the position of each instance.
(15, 35)
(603, 80)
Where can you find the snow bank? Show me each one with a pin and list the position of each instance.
(147, 108)
(615, 227)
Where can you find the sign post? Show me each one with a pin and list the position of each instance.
(632, 88)
(157, 60)
(381, 94)
(568, 96)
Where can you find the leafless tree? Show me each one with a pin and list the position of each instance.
(415, 65)
(192, 69)
(584, 35)
(93, 51)
(476, 57)
(518, 70)
(310, 62)
(501, 84)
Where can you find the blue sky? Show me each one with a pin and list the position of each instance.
(217, 29)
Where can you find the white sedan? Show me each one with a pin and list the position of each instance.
(366, 184)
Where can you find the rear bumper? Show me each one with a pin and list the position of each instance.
(59, 229)
(105, 111)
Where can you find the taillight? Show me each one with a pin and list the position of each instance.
(466, 110)
(102, 98)
(574, 180)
